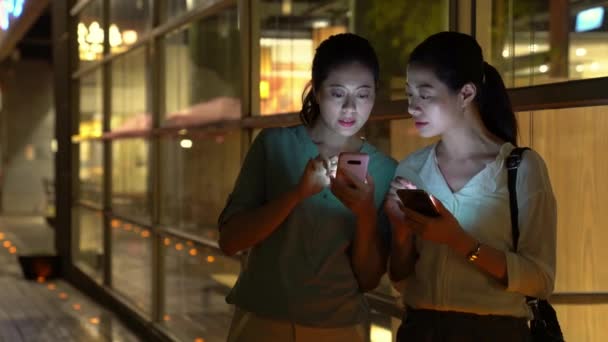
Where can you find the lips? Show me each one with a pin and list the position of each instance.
(420, 124)
(347, 122)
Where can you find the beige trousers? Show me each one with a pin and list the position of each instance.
(248, 327)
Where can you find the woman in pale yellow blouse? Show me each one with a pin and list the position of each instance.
(460, 276)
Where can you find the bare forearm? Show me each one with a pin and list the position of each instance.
(368, 255)
(245, 230)
(490, 260)
(403, 257)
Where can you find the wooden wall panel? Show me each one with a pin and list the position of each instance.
(584, 322)
(573, 143)
(405, 139)
(523, 123)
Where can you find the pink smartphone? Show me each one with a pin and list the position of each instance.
(356, 163)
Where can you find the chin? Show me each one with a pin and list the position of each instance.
(347, 132)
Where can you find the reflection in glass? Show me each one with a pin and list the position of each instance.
(129, 110)
(88, 241)
(90, 33)
(536, 42)
(197, 281)
(130, 179)
(132, 262)
(290, 32)
(129, 21)
(203, 71)
(197, 174)
(178, 7)
(90, 174)
(89, 126)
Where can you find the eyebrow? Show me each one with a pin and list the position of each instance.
(342, 86)
(423, 85)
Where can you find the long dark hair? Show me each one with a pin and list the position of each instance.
(333, 52)
(457, 59)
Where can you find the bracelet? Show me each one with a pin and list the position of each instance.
(474, 254)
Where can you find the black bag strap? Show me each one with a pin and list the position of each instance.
(539, 320)
(513, 161)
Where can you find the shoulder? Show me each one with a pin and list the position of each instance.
(379, 158)
(415, 160)
(532, 173)
(278, 134)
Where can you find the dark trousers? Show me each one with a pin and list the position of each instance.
(445, 326)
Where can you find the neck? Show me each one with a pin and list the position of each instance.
(323, 136)
(466, 143)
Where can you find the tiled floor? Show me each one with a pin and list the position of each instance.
(45, 310)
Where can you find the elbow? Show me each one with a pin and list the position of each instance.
(369, 284)
(547, 286)
(226, 246)
(371, 281)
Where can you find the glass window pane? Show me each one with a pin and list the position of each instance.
(177, 7)
(90, 173)
(394, 29)
(196, 284)
(129, 109)
(129, 22)
(132, 262)
(88, 241)
(90, 34)
(536, 42)
(290, 31)
(203, 71)
(90, 125)
(197, 175)
(130, 179)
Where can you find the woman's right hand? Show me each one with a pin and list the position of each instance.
(314, 178)
(392, 207)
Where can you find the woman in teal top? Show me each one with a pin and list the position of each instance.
(315, 240)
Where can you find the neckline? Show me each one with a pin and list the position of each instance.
(302, 131)
(494, 165)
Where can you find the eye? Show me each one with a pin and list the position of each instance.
(337, 94)
(363, 95)
(425, 97)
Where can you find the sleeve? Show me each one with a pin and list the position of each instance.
(384, 226)
(249, 189)
(531, 270)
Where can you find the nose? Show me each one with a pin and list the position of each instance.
(349, 104)
(412, 106)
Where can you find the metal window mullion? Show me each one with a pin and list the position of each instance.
(156, 103)
(106, 78)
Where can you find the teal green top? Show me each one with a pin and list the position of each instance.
(302, 272)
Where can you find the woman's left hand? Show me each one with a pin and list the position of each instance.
(444, 229)
(355, 194)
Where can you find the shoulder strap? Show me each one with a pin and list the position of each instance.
(513, 161)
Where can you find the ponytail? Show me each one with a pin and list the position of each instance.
(495, 106)
(310, 108)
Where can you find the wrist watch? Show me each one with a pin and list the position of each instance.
(474, 253)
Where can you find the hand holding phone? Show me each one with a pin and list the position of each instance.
(355, 163)
(419, 201)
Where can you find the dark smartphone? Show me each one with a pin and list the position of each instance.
(419, 201)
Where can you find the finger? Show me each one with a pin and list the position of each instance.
(370, 181)
(350, 178)
(415, 216)
(405, 183)
(438, 205)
